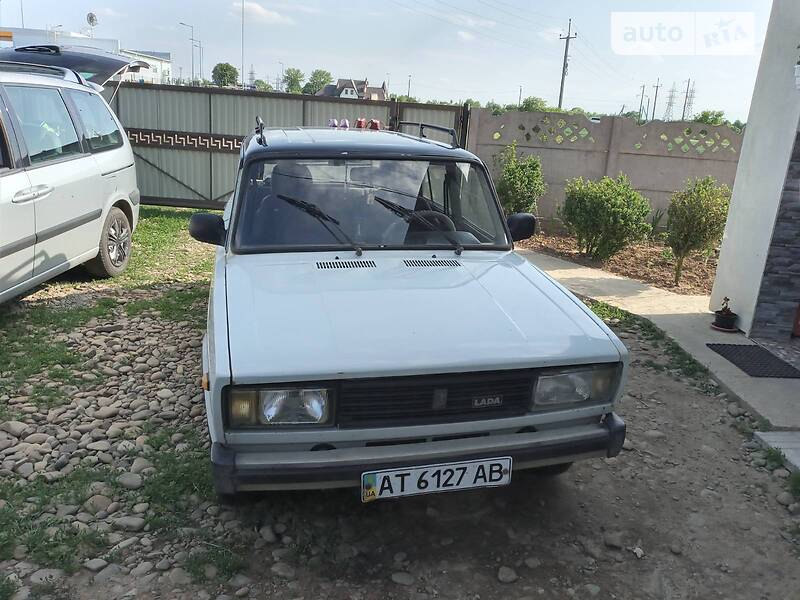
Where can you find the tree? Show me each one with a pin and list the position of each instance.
(521, 182)
(293, 80)
(472, 103)
(404, 98)
(318, 79)
(710, 117)
(533, 104)
(604, 215)
(696, 218)
(224, 74)
(262, 86)
(495, 108)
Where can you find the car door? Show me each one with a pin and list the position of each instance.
(63, 176)
(17, 225)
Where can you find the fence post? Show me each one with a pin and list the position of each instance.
(612, 153)
(464, 125)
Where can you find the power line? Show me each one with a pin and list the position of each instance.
(686, 99)
(641, 101)
(567, 39)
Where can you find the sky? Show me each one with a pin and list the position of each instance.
(452, 49)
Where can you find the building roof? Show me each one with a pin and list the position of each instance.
(361, 86)
(326, 141)
(152, 54)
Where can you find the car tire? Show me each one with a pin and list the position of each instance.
(115, 246)
(552, 470)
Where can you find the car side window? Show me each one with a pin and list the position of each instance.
(45, 123)
(101, 129)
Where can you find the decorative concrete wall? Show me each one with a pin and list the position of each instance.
(767, 147)
(779, 296)
(658, 157)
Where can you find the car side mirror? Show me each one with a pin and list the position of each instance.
(207, 228)
(522, 226)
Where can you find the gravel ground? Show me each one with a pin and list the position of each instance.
(105, 493)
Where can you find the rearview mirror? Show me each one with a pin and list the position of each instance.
(522, 226)
(207, 228)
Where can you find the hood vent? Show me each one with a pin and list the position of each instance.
(432, 262)
(346, 264)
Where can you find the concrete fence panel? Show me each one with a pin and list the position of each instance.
(658, 157)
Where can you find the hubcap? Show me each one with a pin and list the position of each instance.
(119, 241)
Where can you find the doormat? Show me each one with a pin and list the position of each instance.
(755, 360)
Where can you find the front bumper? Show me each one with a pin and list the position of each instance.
(248, 470)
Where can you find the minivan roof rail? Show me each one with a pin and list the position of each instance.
(45, 70)
(423, 126)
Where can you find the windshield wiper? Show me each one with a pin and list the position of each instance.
(315, 211)
(407, 215)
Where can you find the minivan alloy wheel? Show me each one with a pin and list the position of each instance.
(119, 241)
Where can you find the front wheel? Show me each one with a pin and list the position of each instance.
(115, 246)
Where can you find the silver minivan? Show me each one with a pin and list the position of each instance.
(68, 192)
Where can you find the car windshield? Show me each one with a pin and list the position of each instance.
(319, 203)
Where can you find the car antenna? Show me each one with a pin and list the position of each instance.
(260, 131)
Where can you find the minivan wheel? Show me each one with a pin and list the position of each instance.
(115, 246)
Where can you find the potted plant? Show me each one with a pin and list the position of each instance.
(725, 318)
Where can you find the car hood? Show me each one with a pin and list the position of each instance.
(292, 319)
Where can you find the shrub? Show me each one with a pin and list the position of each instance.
(521, 182)
(605, 215)
(696, 218)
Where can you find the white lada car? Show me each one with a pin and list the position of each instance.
(370, 325)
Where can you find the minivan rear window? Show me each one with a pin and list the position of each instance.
(102, 132)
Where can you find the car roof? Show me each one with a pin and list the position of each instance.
(30, 76)
(326, 141)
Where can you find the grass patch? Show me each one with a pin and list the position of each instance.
(163, 250)
(28, 347)
(225, 561)
(678, 360)
(177, 475)
(793, 484)
(175, 305)
(775, 458)
(7, 587)
(25, 520)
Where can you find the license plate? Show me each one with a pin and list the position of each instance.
(430, 479)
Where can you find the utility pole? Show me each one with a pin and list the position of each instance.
(567, 37)
(647, 110)
(191, 41)
(690, 103)
(408, 94)
(519, 104)
(641, 101)
(242, 71)
(686, 99)
(21, 14)
(673, 92)
(655, 96)
(281, 88)
(388, 80)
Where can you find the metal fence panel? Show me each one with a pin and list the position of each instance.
(147, 108)
(223, 175)
(434, 116)
(319, 112)
(166, 173)
(236, 114)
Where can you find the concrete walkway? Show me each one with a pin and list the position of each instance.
(686, 320)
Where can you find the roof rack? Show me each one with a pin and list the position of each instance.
(45, 70)
(423, 126)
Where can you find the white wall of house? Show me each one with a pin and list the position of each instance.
(771, 129)
(160, 70)
(33, 37)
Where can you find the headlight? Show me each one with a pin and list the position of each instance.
(595, 384)
(290, 406)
